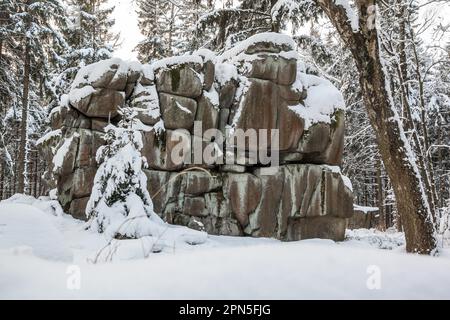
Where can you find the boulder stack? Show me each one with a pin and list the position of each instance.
(259, 84)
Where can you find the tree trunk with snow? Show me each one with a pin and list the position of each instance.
(398, 156)
(380, 197)
(421, 144)
(24, 124)
(428, 162)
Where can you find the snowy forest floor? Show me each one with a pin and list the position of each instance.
(47, 256)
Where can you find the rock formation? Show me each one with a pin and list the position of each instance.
(258, 84)
(364, 218)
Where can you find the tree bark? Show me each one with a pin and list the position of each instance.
(396, 152)
(24, 122)
(35, 174)
(409, 124)
(426, 141)
(2, 181)
(380, 197)
(441, 166)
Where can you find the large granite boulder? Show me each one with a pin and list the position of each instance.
(259, 205)
(192, 106)
(180, 76)
(178, 112)
(100, 89)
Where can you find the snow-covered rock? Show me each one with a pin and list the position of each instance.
(100, 89)
(364, 218)
(48, 205)
(258, 84)
(25, 229)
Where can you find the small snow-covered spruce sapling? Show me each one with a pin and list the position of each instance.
(120, 204)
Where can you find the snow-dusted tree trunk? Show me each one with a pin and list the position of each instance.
(21, 163)
(399, 159)
(380, 196)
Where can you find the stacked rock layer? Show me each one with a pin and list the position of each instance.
(258, 84)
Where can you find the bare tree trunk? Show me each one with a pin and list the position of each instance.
(366, 201)
(13, 184)
(441, 166)
(426, 141)
(2, 181)
(398, 158)
(276, 25)
(30, 173)
(35, 174)
(380, 197)
(403, 66)
(21, 161)
(420, 148)
(2, 162)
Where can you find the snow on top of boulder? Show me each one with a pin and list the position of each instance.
(95, 71)
(365, 209)
(277, 39)
(77, 94)
(46, 204)
(346, 180)
(147, 71)
(206, 54)
(135, 66)
(63, 101)
(242, 55)
(289, 55)
(322, 94)
(178, 60)
(226, 72)
(322, 101)
(24, 226)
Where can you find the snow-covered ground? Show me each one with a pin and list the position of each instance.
(48, 255)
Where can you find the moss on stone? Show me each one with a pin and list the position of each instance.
(175, 78)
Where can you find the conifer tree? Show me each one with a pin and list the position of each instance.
(120, 204)
(9, 85)
(151, 26)
(169, 27)
(35, 25)
(222, 28)
(89, 37)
